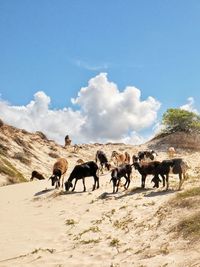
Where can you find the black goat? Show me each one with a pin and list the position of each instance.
(148, 154)
(124, 170)
(101, 157)
(80, 172)
(37, 175)
(175, 166)
(147, 168)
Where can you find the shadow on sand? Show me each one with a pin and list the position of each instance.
(135, 190)
(160, 193)
(145, 192)
(43, 192)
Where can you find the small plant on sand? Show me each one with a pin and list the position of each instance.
(50, 250)
(124, 222)
(123, 207)
(53, 155)
(93, 229)
(115, 242)
(98, 221)
(90, 241)
(70, 222)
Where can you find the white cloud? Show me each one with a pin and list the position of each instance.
(36, 116)
(190, 105)
(105, 114)
(112, 114)
(92, 67)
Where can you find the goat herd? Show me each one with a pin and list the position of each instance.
(144, 162)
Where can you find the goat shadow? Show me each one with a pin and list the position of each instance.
(160, 193)
(134, 191)
(43, 192)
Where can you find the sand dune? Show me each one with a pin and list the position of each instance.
(41, 226)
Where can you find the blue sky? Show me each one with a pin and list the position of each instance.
(58, 46)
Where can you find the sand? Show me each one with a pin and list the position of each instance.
(43, 226)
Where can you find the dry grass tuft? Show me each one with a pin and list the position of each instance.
(22, 158)
(195, 191)
(70, 222)
(20, 142)
(189, 227)
(53, 155)
(14, 176)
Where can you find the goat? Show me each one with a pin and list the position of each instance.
(80, 172)
(124, 170)
(67, 140)
(146, 155)
(127, 157)
(80, 161)
(37, 175)
(119, 157)
(77, 148)
(175, 166)
(171, 152)
(101, 157)
(147, 168)
(59, 169)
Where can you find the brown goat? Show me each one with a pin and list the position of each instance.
(119, 158)
(59, 169)
(36, 175)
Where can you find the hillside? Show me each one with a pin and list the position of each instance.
(41, 226)
(179, 140)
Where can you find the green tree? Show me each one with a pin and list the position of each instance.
(180, 120)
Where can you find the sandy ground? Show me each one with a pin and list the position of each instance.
(41, 226)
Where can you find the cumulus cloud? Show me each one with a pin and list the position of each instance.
(111, 114)
(101, 113)
(36, 116)
(190, 106)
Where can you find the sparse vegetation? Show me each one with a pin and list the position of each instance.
(93, 229)
(22, 158)
(195, 191)
(114, 242)
(3, 150)
(123, 223)
(190, 227)
(186, 199)
(20, 141)
(70, 222)
(53, 155)
(90, 241)
(14, 176)
(37, 250)
(42, 135)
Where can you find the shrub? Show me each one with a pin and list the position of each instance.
(180, 120)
